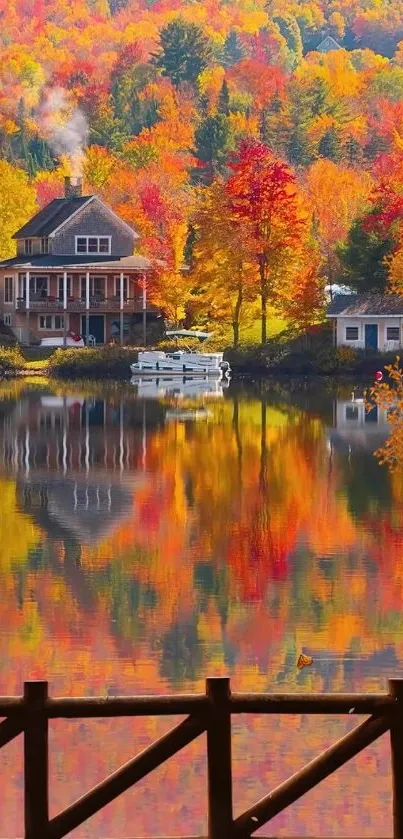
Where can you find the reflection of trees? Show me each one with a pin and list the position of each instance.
(238, 548)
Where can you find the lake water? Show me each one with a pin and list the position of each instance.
(151, 536)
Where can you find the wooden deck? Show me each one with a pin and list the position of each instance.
(211, 712)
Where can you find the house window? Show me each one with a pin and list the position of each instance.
(392, 333)
(45, 245)
(93, 244)
(51, 322)
(7, 320)
(60, 290)
(351, 412)
(8, 290)
(28, 247)
(351, 333)
(38, 286)
(125, 287)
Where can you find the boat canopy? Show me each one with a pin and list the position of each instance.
(188, 333)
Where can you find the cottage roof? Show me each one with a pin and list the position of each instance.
(366, 305)
(328, 45)
(51, 217)
(89, 262)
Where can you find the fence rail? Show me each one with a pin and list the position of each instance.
(211, 713)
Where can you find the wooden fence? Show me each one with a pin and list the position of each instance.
(210, 712)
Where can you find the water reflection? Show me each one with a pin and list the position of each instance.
(153, 533)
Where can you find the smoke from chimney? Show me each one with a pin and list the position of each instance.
(73, 187)
(65, 127)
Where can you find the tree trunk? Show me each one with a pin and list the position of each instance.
(263, 296)
(237, 314)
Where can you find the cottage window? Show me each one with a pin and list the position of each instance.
(28, 247)
(45, 245)
(8, 290)
(125, 287)
(351, 333)
(60, 287)
(7, 320)
(51, 322)
(351, 412)
(392, 333)
(93, 244)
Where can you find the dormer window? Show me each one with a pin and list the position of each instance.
(44, 245)
(93, 244)
(28, 247)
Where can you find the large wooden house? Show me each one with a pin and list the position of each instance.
(76, 273)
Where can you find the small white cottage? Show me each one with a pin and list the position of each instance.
(368, 321)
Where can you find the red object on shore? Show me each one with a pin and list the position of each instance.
(378, 376)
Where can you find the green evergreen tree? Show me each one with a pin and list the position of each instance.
(363, 257)
(234, 50)
(223, 100)
(214, 140)
(185, 52)
(330, 146)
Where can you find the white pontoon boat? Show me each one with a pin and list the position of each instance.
(179, 362)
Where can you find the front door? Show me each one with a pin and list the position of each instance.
(96, 327)
(371, 336)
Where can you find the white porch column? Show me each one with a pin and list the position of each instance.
(64, 308)
(16, 290)
(87, 306)
(27, 302)
(121, 306)
(144, 310)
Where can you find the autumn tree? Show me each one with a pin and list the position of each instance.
(213, 142)
(224, 274)
(185, 51)
(337, 195)
(263, 194)
(17, 205)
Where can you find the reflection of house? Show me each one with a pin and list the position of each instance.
(75, 270)
(76, 463)
(356, 427)
(368, 321)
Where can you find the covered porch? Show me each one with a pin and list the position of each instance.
(94, 304)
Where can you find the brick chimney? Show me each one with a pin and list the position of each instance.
(73, 187)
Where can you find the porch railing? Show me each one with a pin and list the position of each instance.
(211, 712)
(77, 304)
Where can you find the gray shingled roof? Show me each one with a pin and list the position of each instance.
(50, 217)
(358, 305)
(135, 262)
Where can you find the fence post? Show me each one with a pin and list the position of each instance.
(36, 761)
(396, 742)
(220, 820)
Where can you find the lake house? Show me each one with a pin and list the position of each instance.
(76, 273)
(368, 321)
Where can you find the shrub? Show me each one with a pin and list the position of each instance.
(11, 360)
(105, 362)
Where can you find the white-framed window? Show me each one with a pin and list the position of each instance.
(93, 244)
(125, 287)
(97, 286)
(7, 320)
(44, 244)
(60, 286)
(392, 333)
(351, 412)
(51, 322)
(351, 333)
(39, 285)
(8, 289)
(28, 247)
